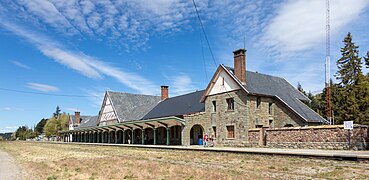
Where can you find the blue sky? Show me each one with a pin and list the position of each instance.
(86, 47)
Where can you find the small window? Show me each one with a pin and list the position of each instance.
(230, 103)
(214, 106)
(215, 131)
(270, 108)
(223, 81)
(258, 102)
(230, 132)
(288, 125)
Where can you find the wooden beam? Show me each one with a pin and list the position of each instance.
(166, 125)
(141, 127)
(152, 126)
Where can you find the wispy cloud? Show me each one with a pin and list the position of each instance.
(42, 87)
(5, 109)
(181, 84)
(8, 129)
(87, 65)
(300, 25)
(73, 109)
(128, 24)
(19, 64)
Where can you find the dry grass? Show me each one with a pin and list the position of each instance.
(61, 161)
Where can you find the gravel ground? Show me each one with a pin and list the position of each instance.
(9, 169)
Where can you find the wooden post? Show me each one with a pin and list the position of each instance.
(168, 133)
(109, 134)
(124, 136)
(116, 137)
(154, 136)
(133, 136)
(142, 136)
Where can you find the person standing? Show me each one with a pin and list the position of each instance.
(206, 138)
(129, 139)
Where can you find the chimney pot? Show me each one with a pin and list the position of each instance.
(164, 92)
(240, 65)
(77, 116)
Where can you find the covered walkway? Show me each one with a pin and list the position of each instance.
(163, 131)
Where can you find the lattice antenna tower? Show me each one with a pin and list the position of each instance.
(327, 66)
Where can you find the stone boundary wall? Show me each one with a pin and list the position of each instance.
(312, 137)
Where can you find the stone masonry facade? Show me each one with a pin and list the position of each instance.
(311, 137)
(246, 115)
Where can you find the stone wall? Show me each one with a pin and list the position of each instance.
(314, 137)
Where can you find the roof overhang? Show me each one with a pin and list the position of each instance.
(136, 124)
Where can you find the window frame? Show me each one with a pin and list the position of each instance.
(230, 104)
(270, 110)
(230, 131)
(214, 103)
(258, 102)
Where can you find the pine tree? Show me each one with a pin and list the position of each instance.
(57, 112)
(349, 65)
(366, 59)
(350, 76)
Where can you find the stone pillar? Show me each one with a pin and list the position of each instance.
(103, 137)
(116, 137)
(154, 136)
(109, 134)
(93, 137)
(168, 133)
(98, 137)
(262, 137)
(124, 136)
(142, 136)
(133, 136)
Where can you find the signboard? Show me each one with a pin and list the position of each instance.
(348, 125)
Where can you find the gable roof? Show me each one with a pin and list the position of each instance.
(88, 121)
(262, 84)
(179, 105)
(129, 106)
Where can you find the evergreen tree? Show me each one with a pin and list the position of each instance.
(349, 65)
(57, 112)
(39, 129)
(366, 59)
(351, 80)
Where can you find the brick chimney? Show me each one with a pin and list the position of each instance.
(240, 65)
(77, 116)
(164, 92)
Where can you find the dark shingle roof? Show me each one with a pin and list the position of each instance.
(179, 105)
(88, 121)
(280, 88)
(132, 106)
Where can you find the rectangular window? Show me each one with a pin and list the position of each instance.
(230, 132)
(214, 106)
(270, 108)
(230, 103)
(258, 102)
(215, 131)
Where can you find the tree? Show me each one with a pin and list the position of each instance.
(57, 112)
(24, 133)
(39, 129)
(366, 59)
(349, 65)
(350, 95)
(54, 125)
(51, 127)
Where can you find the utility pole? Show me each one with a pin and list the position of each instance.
(327, 67)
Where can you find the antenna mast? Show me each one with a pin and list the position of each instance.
(327, 67)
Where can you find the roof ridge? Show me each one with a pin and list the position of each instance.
(184, 94)
(117, 92)
(255, 72)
